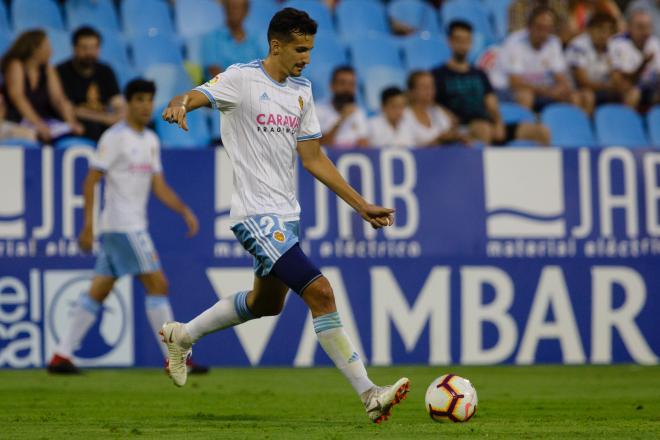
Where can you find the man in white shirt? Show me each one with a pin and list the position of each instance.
(343, 122)
(636, 58)
(391, 129)
(269, 118)
(533, 63)
(128, 158)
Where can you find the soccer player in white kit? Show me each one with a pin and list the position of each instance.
(267, 116)
(128, 158)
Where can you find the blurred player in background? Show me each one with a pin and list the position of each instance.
(128, 157)
(267, 115)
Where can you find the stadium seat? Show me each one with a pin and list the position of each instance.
(114, 53)
(170, 79)
(214, 119)
(100, 14)
(197, 17)
(146, 17)
(569, 126)
(258, 18)
(376, 79)
(4, 19)
(354, 19)
(60, 42)
(375, 51)
(513, 113)
(416, 14)
(653, 123)
(30, 14)
(149, 50)
(522, 143)
(6, 39)
(73, 141)
(328, 53)
(317, 10)
(172, 136)
(424, 53)
(619, 125)
(474, 13)
(499, 11)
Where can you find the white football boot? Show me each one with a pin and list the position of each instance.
(378, 401)
(179, 348)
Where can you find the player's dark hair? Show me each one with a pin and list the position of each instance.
(85, 31)
(413, 77)
(339, 70)
(389, 93)
(458, 24)
(290, 21)
(600, 19)
(541, 10)
(139, 85)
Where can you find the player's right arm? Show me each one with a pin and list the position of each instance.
(180, 105)
(86, 237)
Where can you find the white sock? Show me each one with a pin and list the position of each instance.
(159, 311)
(339, 348)
(225, 313)
(81, 318)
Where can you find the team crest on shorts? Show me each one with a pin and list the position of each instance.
(300, 102)
(279, 236)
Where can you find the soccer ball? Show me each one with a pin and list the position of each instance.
(451, 398)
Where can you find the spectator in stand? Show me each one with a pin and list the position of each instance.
(636, 58)
(588, 57)
(343, 122)
(652, 7)
(12, 130)
(430, 123)
(581, 11)
(90, 85)
(32, 86)
(534, 66)
(466, 91)
(391, 129)
(520, 10)
(231, 44)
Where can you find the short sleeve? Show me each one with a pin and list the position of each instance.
(106, 153)
(512, 59)
(309, 123)
(224, 90)
(488, 87)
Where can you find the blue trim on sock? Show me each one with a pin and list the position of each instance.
(156, 301)
(327, 322)
(88, 303)
(241, 307)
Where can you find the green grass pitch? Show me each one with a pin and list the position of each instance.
(602, 402)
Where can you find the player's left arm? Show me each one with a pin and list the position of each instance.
(180, 105)
(166, 194)
(317, 163)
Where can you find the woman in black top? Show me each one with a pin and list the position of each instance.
(33, 89)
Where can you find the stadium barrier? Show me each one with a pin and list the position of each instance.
(497, 256)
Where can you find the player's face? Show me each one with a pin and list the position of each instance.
(394, 108)
(140, 108)
(296, 54)
(460, 42)
(541, 29)
(86, 50)
(424, 90)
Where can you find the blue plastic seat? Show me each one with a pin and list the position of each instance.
(416, 14)
(158, 49)
(258, 18)
(619, 125)
(99, 14)
(357, 18)
(317, 10)
(214, 119)
(30, 14)
(569, 126)
(522, 143)
(653, 123)
(499, 11)
(60, 42)
(4, 19)
(172, 136)
(115, 54)
(73, 141)
(6, 39)
(471, 11)
(197, 17)
(146, 17)
(170, 79)
(371, 51)
(513, 113)
(425, 53)
(328, 53)
(376, 79)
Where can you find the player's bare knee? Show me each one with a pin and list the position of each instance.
(319, 297)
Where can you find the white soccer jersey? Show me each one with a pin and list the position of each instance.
(383, 135)
(262, 122)
(582, 54)
(129, 160)
(627, 58)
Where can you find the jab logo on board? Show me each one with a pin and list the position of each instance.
(110, 340)
(12, 202)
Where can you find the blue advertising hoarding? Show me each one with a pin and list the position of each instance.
(496, 256)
